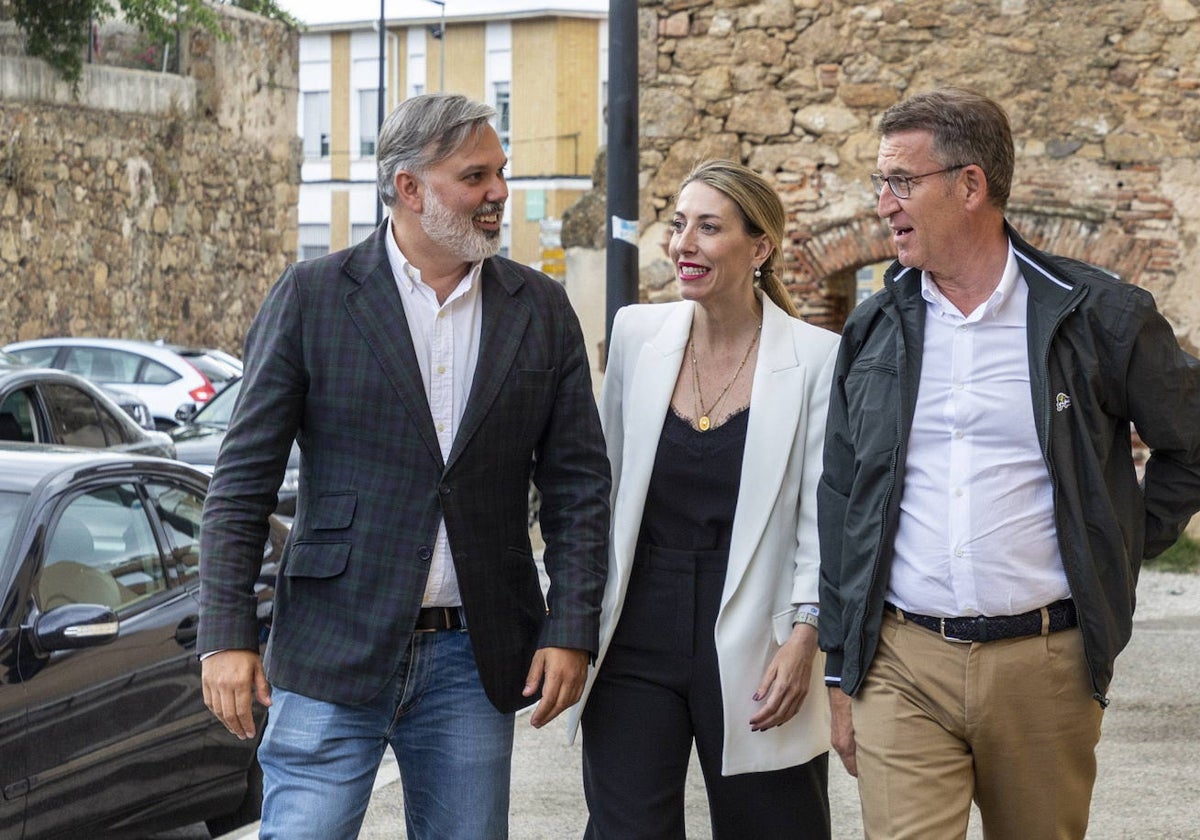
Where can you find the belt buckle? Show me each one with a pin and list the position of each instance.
(953, 639)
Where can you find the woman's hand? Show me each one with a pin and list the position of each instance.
(785, 683)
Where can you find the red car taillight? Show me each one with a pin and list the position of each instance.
(203, 393)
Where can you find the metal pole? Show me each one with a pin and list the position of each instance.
(622, 194)
(380, 99)
(442, 52)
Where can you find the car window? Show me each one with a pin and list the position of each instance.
(179, 509)
(219, 410)
(101, 550)
(100, 364)
(114, 431)
(154, 373)
(10, 505)
(16, 417)
(37, 356)
(216, 370)
(74, 416)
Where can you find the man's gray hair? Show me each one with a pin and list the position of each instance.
(422, 131)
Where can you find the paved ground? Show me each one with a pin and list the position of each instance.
(1149, 779)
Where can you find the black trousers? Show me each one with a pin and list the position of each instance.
(657, 690)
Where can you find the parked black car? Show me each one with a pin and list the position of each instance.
(40, 405)
(103, 729)
(199, 435)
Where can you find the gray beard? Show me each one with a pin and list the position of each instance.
(455, 232)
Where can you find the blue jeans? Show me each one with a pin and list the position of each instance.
(454, 749)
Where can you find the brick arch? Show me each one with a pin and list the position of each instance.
(818, 261)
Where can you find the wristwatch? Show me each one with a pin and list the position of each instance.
(804, 617)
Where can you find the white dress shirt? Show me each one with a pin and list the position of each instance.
(446, 339)
(976, 531)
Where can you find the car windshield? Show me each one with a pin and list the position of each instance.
(219, 410)
(10, 505)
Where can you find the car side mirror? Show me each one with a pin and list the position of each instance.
(186, 412)
(74, 626)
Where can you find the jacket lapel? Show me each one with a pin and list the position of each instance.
(645, 402)
(375, 308)
(776, 401)
(505, 320)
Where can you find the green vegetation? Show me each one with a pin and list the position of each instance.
(58, 31)
(1184, 557)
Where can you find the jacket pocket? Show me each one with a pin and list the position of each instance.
(334, 511)
(317, 559)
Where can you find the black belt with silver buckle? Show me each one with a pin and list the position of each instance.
(984, 628)
(431, 619)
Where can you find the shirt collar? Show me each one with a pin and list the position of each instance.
(1000, 295)
(408, 275)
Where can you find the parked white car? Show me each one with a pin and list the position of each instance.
(166, 378)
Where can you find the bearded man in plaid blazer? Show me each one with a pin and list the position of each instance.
(426, 381)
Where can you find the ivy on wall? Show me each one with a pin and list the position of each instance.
(58, 32)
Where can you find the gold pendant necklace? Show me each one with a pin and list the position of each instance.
(703, 420)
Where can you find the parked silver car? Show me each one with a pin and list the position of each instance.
(40, 405)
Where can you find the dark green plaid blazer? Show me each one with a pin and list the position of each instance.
(330, 362)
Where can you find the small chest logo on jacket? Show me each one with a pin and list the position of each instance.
(1061, 402)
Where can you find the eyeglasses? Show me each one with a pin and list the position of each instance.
(901, 185)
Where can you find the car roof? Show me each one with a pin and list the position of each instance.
(23, 466)
(145, 348)
(28, 373)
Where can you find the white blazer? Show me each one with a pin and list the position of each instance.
(773, 558)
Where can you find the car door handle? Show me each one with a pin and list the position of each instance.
(187, 631)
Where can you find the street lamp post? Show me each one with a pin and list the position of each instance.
(441, 46)
(380, 100)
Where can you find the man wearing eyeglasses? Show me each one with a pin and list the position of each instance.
(981, 523)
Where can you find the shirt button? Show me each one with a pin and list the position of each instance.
(441, 427)
(442, 369)
(958, 434)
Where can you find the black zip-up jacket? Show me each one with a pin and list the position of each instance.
(1100, 356)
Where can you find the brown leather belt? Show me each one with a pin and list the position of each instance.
(984, 628)
(432, 619)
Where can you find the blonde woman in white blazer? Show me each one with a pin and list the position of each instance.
(714, 415)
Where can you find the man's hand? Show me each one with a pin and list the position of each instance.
(842, 728)
(785, 683)
(561, 674)
(232, 680)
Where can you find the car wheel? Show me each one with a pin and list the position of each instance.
(248, 811)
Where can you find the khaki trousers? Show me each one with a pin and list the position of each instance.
(1010, 724)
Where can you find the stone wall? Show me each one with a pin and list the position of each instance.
(1104, 98)
(166, 221)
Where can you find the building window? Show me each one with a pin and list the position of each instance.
(368, 121)
(313, 241)
(535, 205)
(503, 106)
(316, 124)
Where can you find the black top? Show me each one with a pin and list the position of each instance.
(694, 486)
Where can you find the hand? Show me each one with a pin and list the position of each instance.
(842, 728)
(785, 683)
(561, 674)
(232, 680)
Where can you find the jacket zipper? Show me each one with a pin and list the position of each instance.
(1047, 437)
